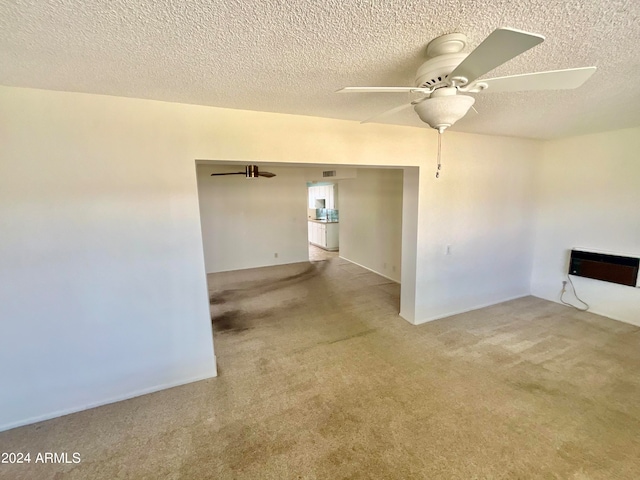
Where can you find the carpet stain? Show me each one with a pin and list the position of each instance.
(536, 388)
(350, 337)
(230, 321)
(217, 299)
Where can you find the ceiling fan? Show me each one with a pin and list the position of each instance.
(250, 171)
(443, 80)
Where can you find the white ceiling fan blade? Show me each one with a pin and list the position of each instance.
(388, 112)
(383, 90)
(551, 80)
(499, 47)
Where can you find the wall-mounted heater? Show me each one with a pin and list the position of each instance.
(606, 267)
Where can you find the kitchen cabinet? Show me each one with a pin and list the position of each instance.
(329, 196)
(331, 236)
(324, 235)
(312, 197)
(329, 193)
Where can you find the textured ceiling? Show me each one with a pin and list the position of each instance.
(290, 56)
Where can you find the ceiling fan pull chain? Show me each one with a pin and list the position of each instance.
(439, 150)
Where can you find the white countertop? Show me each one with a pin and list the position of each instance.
(321, 221)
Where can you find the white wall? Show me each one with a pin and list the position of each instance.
(481, 206)
(588, 195)
(410, 201)
(371, 220)
(103, 293)
(102, 284)
(245, 222)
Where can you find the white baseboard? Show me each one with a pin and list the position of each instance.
(469, 309)
(370, 269)
(117, 398)
(304, 260)
(591, 310)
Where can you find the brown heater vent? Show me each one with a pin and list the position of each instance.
(608, 268)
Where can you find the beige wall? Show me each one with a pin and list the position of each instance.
(102, 269)
(371, 220)
(102, 283)
(587, 196)
(482, 206)
(246, 222)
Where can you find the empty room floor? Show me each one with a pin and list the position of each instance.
(317, 254)
(320, 378)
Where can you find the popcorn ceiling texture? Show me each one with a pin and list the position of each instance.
(290, 56)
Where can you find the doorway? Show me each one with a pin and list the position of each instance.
(256, 223)
(317, 254)
(323, 220)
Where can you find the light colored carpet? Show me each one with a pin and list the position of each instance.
(319, 378)
(318, 254)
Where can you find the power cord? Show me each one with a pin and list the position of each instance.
(564, 289)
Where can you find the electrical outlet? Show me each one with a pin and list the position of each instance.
(447, 250)
(275, 255)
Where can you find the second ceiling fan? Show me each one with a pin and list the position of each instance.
(250, 171)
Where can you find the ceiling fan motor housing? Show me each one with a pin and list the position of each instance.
(251, 171)
(434, 72)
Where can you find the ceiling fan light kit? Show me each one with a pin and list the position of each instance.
(444, 108)
(448, 74)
